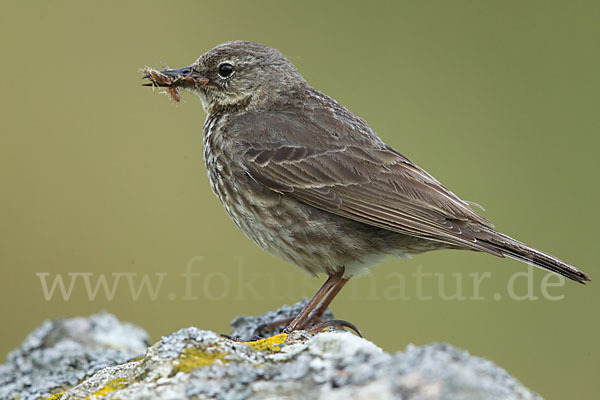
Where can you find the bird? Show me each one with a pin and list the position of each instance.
(309, 181)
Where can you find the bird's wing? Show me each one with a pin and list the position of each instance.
(369, 182)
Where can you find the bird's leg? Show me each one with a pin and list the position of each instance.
(313, 311)
(304, 315)
(315, 316)
(318, 312)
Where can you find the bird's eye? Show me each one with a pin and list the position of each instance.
(225, 70)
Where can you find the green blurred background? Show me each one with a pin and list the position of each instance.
(498, 100)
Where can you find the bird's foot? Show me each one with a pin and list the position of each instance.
(335, 323)
(312, 325)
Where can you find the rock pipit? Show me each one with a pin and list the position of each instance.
(308, 180)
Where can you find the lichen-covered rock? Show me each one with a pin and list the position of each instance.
(197, 364)
(59, 354)
(247, 327)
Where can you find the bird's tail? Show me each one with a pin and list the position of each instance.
(520, 251)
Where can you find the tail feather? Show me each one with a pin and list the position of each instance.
(520, 251)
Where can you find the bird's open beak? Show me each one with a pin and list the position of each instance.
(182, 77)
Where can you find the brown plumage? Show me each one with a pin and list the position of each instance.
(310, 181)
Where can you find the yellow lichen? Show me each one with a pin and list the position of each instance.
(270, 344)
(138, 358)
(191, 358)
(108, 387)
(55, 396)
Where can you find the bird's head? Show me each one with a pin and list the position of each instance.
(236, 75)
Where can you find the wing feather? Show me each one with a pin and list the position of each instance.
(368, 182)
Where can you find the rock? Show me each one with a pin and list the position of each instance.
(246, 327)
(61, 353)
(198, 364)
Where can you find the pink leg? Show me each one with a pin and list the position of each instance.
(302, 318)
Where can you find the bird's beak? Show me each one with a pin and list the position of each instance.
(181, 77)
